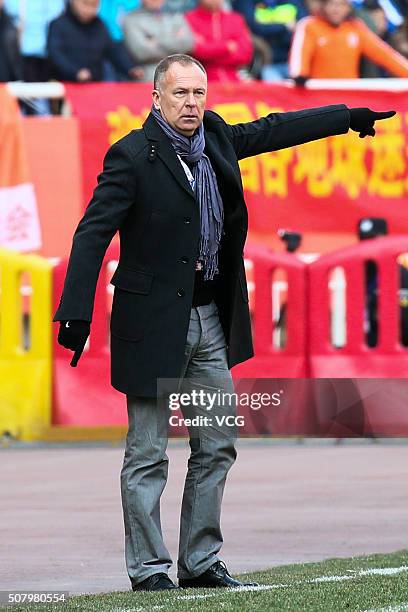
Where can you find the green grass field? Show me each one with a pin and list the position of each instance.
(371, 583)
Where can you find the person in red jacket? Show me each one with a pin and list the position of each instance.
(222, 40)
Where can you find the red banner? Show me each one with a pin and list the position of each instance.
(322, 186)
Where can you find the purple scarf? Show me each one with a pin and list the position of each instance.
(205, 189)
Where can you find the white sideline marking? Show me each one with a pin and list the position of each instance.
(398, 608)
(375, 571)
(385, 571)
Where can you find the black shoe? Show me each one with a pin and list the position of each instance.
(156, 582)
(216, 576)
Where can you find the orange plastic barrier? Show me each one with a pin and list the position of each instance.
(291, 305)
(285, 359)
(376, 410)
(278, 303)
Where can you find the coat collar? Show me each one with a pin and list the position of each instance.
(167, 154)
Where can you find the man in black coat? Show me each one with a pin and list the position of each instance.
(180, 308)
(79, 43)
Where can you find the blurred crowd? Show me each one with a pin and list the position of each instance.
(122, 40)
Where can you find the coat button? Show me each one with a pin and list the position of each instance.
(187, 220)
(181, 292)
(184, 260)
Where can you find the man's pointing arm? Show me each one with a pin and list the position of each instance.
(281, 130)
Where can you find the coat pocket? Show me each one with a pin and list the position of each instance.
(130, 304)
(135, 281)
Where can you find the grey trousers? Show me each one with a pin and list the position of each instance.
(212, 446)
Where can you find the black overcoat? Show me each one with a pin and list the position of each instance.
(144, 193)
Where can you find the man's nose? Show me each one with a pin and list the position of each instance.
(191, 101)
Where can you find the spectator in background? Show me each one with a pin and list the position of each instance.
(151, 34)
(397, 33)
(374, 17)
(372, 14)
(330, 45)
(385, 14)
(385, 19)
(404, 35)
(79, 42)
(400, 37)
(10, 59)
(274, 22)
(113, 12)
(32, 18)
(222, 40)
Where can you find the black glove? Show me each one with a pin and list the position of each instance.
(300, 81)
(362, 120)
(73, 335)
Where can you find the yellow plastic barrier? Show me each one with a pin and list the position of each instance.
(25, 345)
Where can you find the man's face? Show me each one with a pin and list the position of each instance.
(85, 10)
(181, 97)
(336, 11)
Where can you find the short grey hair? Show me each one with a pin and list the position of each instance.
(179, 58)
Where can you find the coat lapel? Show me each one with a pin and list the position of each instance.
(236, 208)
(166, 153)
(233, 199)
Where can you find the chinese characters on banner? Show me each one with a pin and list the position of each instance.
(325, 185)
(19, 221)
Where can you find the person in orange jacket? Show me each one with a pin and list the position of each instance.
(330, 45)
(222, 40)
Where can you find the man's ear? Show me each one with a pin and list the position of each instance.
(156, 99)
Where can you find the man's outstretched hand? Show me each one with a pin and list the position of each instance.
(73, 335)
(362, 120)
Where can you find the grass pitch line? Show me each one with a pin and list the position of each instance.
(375, 571)
(262, 587)
(380, 571)
(399, 608)
(384, 571)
